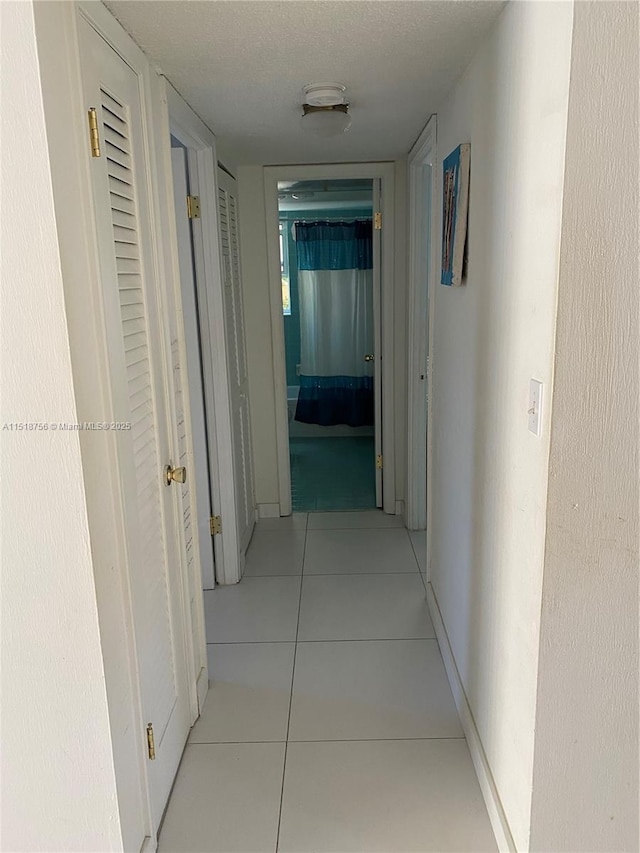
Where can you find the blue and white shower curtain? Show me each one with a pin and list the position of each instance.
(335, 283)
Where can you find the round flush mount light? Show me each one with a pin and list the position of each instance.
(325, 111)
(324, 94)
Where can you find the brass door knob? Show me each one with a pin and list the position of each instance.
(369, 357)
(174, 475)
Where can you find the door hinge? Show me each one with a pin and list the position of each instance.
(94, 136)
(379, 461)
(377, 221)
(151, 743)
(215, 525)
(193, 206)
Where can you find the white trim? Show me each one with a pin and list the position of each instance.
(202, 684)
(332, 171)
(421, 223)
(198, 487)
(269, 511)
(498, 819)
(277, 336)
(149, 845)
(377, 344)
(200, 142)
(436, 190)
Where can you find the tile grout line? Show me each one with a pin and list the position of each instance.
(325, 740)
(293, 673)
(342, 640)
(330, 574)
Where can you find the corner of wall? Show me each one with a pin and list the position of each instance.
(56, 731)
(257, 310)
(586, 746)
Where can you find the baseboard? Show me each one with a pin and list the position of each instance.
(202, 686)
(268, 510)
(400, 509)
(498, 819)
(149, 845)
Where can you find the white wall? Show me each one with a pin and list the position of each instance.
(586, 755)
(257, 312)
(58, 783)
(491, 337)
(253, 244)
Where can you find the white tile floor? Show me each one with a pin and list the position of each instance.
(329, 726)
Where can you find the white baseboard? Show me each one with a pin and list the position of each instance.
(498, 819)
(202, 686)
(268, 510)
(149, 845)
(400, 508)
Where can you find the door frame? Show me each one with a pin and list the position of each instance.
(332, 171)
(194, 393)
(202, 164)
(421, 303)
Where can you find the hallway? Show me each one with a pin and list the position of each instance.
(329, 724)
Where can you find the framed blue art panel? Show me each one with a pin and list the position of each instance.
(455, 203)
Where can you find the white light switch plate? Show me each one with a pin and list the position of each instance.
(535, 406)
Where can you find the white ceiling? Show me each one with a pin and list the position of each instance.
(241, 64)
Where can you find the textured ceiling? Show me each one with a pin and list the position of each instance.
(241, 64)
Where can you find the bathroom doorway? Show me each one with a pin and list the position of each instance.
(326, 232)
(378, 198)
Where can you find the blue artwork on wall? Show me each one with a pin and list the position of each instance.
(455, 203)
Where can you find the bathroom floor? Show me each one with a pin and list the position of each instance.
(336, 473)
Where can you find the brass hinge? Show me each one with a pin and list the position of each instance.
(193, 206)
(379, 461)
(151, 743)
(94, 136)
(215, 525)
(377, 221)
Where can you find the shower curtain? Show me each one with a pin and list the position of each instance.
(335, 285)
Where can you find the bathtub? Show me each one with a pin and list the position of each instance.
(292, 401)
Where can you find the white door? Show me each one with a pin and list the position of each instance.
(202, 459)
(238, 379)
(377, 336)
(139, 381)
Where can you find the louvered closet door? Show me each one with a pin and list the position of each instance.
(139, 383)
(238, 380)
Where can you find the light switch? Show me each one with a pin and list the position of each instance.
(535, 406)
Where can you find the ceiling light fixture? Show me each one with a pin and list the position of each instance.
(325, 111)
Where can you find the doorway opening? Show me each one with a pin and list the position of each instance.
(381, 177)
(329, 308)
(206, 297)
